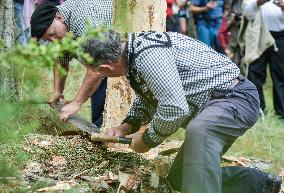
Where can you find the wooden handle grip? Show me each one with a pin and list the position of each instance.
(112, 139)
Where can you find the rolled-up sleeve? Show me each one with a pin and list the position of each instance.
(66, 58)
(249, 9)
(158, 69)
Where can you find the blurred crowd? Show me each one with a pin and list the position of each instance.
(215, 23)
(249, 32)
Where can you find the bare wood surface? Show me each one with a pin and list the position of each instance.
(130, 16)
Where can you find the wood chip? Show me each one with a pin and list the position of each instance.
(58, 161)
(60, 186)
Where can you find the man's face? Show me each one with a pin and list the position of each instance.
(56, 30)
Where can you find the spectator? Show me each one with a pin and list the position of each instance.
(170, 21)
(176, 17)
(234, 50)
(224, 33)
(265, 45)
(173, 15)
(18, 7)
(183, 16)
(208, 15)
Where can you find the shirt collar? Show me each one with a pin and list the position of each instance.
(129, 51)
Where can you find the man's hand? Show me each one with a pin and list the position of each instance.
(55, 99)
(138, 144)
(229, 53)
(69, 109)
(120, 131)
(211, 4)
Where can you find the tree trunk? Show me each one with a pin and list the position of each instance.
(8, 82)
(130, 16)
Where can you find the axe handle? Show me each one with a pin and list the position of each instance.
(112, 139)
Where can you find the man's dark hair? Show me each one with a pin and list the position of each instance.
(104, 50)
(42, 18)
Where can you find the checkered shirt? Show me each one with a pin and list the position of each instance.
(77, 12)
(173, 76)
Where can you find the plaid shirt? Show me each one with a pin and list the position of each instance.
(77, 12)
(173, 76)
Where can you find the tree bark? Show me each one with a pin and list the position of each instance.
(130, 16)
(8, 81)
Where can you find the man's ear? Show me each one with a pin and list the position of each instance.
(59, 17)
(105, 67)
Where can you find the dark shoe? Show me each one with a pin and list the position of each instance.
(273, 183)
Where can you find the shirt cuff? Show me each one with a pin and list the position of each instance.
(152, 139)
(134, 122)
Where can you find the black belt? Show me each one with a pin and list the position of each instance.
(224, 93)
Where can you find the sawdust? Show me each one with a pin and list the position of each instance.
(74, 163)
(65, 158)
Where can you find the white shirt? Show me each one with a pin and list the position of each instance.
(273, 16)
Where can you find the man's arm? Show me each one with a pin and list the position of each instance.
(202, 9)
(90, 84)
(59, 79)
(163, 79)
(140, 114)
(59, 83)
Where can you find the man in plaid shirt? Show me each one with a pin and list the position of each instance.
(181, 82)
(50, 22)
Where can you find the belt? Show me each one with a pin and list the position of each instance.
(224, 93)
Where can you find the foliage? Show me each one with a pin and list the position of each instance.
(29, 61)
(35, 55)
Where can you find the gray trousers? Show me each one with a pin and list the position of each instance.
(209, 135)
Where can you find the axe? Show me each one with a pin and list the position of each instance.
(91, 129)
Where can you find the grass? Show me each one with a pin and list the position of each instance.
(265, 139)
